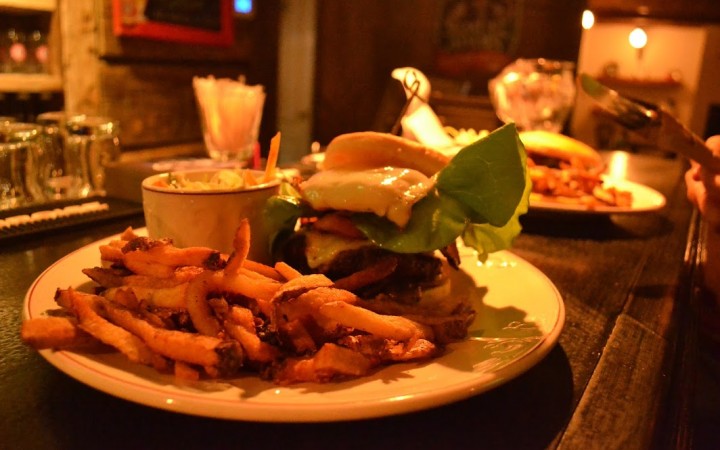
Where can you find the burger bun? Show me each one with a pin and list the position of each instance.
(559, 146)
(369, 149)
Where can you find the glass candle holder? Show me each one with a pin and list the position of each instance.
(536, 94)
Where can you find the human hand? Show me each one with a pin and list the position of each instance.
(703, 190)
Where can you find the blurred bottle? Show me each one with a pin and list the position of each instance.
(37, 52)
(17, 51)
(4, 52)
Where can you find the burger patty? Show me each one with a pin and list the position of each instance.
(412, 272)
(417, 267)
(547, 161)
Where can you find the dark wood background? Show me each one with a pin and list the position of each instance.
(361, 42)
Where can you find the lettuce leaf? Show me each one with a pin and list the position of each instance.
(281, 214)
(479, 196)
(486, 238)
(436, 221)
(488, 177)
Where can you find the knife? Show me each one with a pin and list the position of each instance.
(652, 122)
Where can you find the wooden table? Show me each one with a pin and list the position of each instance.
(621, 375)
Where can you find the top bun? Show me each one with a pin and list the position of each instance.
(368, 149)
(556, 145)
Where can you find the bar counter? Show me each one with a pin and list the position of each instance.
(620, 376)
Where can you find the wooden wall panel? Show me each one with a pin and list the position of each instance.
(153, 103)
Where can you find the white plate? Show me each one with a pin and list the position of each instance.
(644, 199)
(520, 316)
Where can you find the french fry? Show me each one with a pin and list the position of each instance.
(251, 286)
(272, 158)
(104, 277)
(299, 285)
(122, 296)
(388, 351)
(180, 275)
(288, 272)
(240, 326)
(171, 297)
(263, 269)
(177, 345)
(196, 302)
(185, 371)
(86, 308)
(385, 326)
(330, 362)
(139, 264)
(241, 247)
(165, 254)
(128, 234)
(111, 253)
(55, 332)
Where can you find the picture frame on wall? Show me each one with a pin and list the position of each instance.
(199, 22)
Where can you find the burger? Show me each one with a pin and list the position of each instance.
(555, 150)
(383, 215)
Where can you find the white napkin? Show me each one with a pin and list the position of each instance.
(420, 122)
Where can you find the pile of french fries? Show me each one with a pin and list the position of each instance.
(574, 184)
(199, 314)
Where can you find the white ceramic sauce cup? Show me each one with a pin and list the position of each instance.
(207, 218)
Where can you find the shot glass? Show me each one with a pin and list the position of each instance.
(95, 142)
(19, 165)
(230, 114)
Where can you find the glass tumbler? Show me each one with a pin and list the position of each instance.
(60, 170)
(230, 115)
(95, 142)
(536, 94)
(19, 165)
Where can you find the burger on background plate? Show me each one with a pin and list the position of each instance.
(565, 170)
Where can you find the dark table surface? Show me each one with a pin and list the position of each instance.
(621, 376)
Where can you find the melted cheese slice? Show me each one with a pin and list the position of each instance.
(321, 248)
(386, 191)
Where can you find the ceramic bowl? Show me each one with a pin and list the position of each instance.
(208, 217)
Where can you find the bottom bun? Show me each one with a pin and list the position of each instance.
(453, 296)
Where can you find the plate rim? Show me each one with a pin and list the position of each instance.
(77, 367)
(540, 205)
